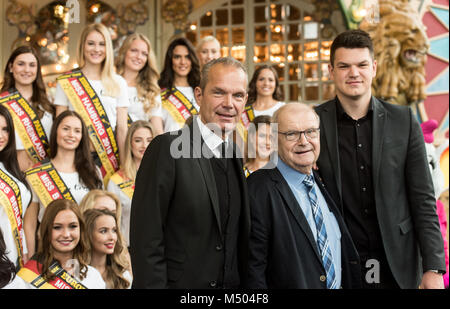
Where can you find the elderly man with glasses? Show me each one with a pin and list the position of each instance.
(298, 238)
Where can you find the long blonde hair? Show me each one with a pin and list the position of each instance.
(89, 199)
(147, 80)
(116, 263)
(110, 84)
(129, 167)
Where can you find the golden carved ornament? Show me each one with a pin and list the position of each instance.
(400, 48)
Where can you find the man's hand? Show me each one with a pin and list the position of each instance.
(432, 280)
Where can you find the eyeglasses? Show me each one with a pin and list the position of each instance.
(297, 135)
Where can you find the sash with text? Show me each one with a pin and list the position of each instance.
(11, 201)
(47, 183)
(27, 124)
(127, 186)
(87, 103)
(177, 105)
(63, 280)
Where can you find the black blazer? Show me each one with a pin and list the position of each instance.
(176, 239)
(403, 188)
(283, 252)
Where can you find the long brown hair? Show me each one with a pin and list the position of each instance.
(84, 163)
(8, 156)
(167, 77)
(7, 268)
(147, 80)
(116, 263)
(45, 250)
(39, 99)
(252, 94)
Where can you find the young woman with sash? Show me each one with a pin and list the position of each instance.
(139, 136)
(259, 145)
(63, 252)
(23, 93)
(99, 95)
(264, 97)
(15, 194)
(179, 77)
(107, 253)
(136, 63)
(69, 174)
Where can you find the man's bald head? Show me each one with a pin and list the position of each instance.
(298, 136)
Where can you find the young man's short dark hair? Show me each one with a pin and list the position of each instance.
(351, 39)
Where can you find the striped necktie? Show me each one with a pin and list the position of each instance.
(322, 238)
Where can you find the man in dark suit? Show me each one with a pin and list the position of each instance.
(374, 165)
(298, 238)
(190, 218)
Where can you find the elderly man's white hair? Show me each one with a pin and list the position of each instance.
(206, 39)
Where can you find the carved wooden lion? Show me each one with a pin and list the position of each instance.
(400, 47)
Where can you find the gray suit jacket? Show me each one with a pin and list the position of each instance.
(403, 188)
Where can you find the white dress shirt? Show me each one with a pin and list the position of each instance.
(212, 140)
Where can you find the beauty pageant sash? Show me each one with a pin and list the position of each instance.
(87, 103)
(47, 183)
(127, 186)
(247, 117)
(177, 105)
(63, 280)
(11, 201)
(27, 124)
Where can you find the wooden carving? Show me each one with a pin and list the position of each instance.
(177, 12)
(23, 17)
(400, 47)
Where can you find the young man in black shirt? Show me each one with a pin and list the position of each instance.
(373, 162)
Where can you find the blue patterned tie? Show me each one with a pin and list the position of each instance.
(322, 238)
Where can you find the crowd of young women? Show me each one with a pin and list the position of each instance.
(67, 167)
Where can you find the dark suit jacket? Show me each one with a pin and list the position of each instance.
(176, 239)
(283, 252)
(403, 188)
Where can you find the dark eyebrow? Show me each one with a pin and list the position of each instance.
(342, 63)
(215, 89)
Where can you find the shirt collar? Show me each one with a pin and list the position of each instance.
(211, 139)
(341, 114)
(291, 175)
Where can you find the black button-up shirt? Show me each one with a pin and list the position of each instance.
(355, 156)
